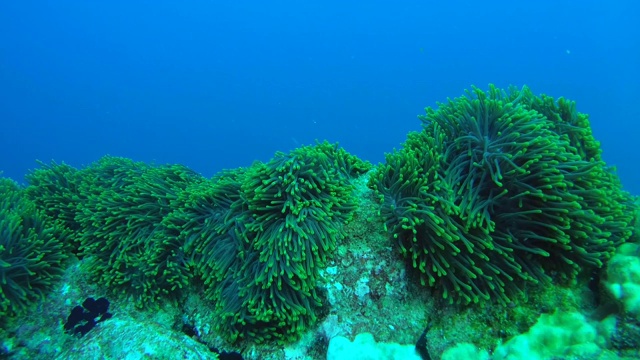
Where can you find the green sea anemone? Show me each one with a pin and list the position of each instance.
(55, 189)
(32, 251)
(123, 238)
(500, 189)
(258, 237)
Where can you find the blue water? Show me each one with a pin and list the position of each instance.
(219, 84)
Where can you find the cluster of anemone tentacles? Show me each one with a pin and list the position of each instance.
(260, 235)
(113, 211)
(498, 190)
(253, 239)
(501, 189)
(33, 251)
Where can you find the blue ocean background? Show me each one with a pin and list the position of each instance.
(220, 84)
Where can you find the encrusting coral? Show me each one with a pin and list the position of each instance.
(499, 189)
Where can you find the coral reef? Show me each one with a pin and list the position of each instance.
(499, 194)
